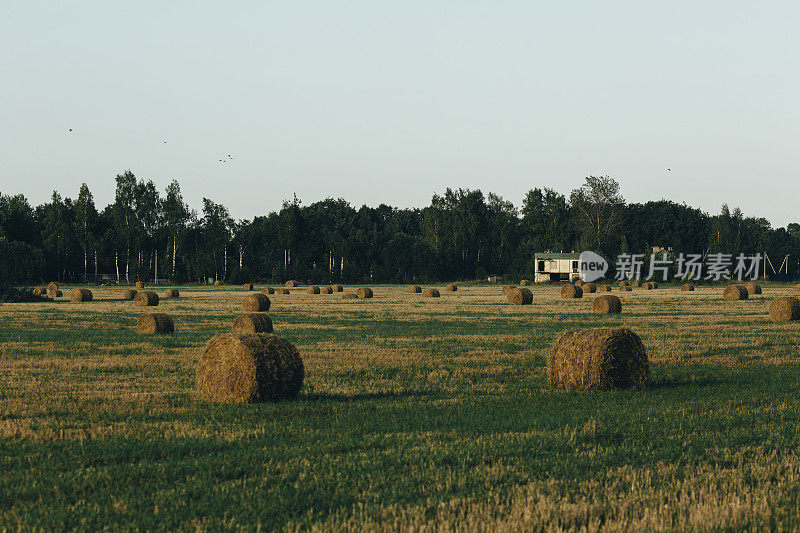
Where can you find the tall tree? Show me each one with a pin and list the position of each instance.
(85, 227)
(598, 210)
(176, 215)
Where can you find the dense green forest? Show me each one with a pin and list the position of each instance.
(462, 234)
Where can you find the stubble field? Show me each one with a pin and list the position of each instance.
(416, 413)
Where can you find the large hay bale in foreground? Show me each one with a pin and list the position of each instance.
(291, 283)
(364, 292)
(520, 296)
(452, 287)
(589, 287)
(253, 323)
(524, 282)
(129, 294)
(607, 304)
(152, 323)
(39, 291)
(349, 296)
(687, 287)
(598, 359)
(430, 293)
(256, 303)
(242, 368)
(268, 290)
(571, 291)
(415, 289)
(785, 309)
(338, 288)
(52, 286)
(247, 287)
(735, 292)
(172, 293)
(145, 298)
(753, 288)
(507, 289)
(81, 295)
(313, 290)
(326, 290)
(140, 285)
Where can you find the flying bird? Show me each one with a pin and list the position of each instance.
(70, 129)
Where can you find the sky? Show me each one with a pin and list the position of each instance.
(391, 102)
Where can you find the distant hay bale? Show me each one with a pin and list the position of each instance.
(291, 283)
(55, 294)
(256, 303)
(283, 291)
(625, 282)
(520, 296)
(507, 289)
(735, 292)
(247, 287)
(647, 286)
(81, 295)
(524, 282)
(313, 290)
(785, 309)
(338, 288)
(145, 298)
(172, 293)
(571, 291)
(140, 285)
(243, 368)
(364, 292)
(598, 359)
(625, 288)
(589, 287)
(39, 291)
(253, 323)
(687, 287)
(218, 282)
(415, 289)
(152, 323)
(604, 288)
(129, 294)
(753, 288)
(636, 283)
(452, 287)
(326, 290)
(349, 296)
(430, 293)
(654, 284)
(797, 287)
(52, 286)
(607, 304)
(268, 290)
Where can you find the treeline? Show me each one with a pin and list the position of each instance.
(462, 234)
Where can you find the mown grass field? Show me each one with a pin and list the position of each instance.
(416, 413)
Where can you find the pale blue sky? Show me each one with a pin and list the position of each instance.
(390, 102)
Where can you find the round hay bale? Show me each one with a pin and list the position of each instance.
(338, 288)
(687, 287)
(604, 288)
(607, 304)
(797, 287)
(313, 290)
(81, 295)
(129, 294)
(636, 283)
(152, 323)
(524, 282)
(571, 291)
(55, 293)
(520, 296)
(785, 309)
(140, 285)
(507, 289)
(268, 290)
(349, 296)
(625, 288)
(598, 359)
(256, 303)
(145, 298)
(59, 294)
(589, 287)
(451, 287)
(172, 293)
(430, 293)
(243, 368)
(364, 292)
(283, 291)
(217, 282)
(735, 292)
(415, 289)
(753, 288)
(625, 283)
(52, 286)
(247, 287)
(326, 290)
(291, 283)
(253, 323)
(39, 291)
